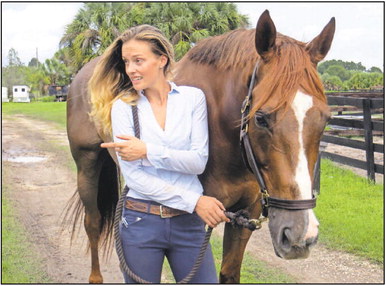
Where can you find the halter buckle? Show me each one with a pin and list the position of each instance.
(245, 104)
(257, 223)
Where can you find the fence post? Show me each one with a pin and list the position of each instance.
(369, 145)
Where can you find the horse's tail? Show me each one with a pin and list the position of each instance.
(109, 187)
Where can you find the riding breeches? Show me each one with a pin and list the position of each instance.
(147, 239)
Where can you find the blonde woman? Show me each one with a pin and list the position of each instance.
(165, 210)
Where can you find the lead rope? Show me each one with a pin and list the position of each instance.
(118, 242)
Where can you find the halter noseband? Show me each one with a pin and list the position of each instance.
(250, 161)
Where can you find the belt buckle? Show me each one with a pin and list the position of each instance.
(162, 215)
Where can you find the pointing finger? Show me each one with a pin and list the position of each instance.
(113, 144)
(108, 145)
(124, 137)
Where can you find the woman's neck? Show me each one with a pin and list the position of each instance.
(159, 93)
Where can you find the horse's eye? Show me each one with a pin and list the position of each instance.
(261, 119)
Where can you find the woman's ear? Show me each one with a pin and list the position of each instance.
(164, 61)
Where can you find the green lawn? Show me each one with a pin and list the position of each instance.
(351, 213)
(48, 111)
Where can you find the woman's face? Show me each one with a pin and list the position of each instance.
(144, 68)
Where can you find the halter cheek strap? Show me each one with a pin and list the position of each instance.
(250, 162)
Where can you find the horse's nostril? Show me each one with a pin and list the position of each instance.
(285, 238)
(311, 241)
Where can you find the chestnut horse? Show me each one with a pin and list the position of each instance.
(287, 117)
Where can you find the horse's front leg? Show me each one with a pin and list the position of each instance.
(234, 243)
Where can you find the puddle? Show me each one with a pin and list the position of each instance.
(25, 159)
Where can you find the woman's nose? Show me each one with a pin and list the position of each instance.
(130, 69)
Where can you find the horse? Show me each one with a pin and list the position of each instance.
(286, 117)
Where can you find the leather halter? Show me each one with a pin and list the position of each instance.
(250, 162)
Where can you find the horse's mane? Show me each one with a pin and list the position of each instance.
(226, 51)
(288, 70)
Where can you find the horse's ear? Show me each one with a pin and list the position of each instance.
(265, 35)
(319, 47)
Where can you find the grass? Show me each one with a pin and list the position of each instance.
(351, 213)
(20, 261)
(47, 111)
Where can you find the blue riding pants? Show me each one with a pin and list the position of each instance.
(147, 239)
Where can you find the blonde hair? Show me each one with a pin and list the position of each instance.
(110, 82)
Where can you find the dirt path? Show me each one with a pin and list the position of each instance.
(42, 189)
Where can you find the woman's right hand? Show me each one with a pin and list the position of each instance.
(211, 211)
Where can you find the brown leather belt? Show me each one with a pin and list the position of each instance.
(162, 211)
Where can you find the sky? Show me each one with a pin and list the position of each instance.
(36, 28)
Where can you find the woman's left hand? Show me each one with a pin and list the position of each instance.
(129, 150)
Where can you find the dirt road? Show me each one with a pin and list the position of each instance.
(34, 156)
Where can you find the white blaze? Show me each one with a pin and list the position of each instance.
(301, 104)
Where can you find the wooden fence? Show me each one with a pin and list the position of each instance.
(358, 122)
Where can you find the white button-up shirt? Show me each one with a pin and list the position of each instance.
(175, 156)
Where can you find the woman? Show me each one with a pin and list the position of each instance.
(165, 210)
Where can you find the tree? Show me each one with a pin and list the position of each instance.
(93, 29)
(353, 75)
(339, 71)
(365, 80)
(37, 79)
(97, 24)
(13, 58)
(375, 69)
(56, 71)
(322, 67)
(34, 62)
(332, 82)
(187, 23)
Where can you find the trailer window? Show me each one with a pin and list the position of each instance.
(23, 89)
(15, 89)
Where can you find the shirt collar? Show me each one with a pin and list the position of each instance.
(173, 89)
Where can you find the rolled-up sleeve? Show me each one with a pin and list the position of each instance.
(192, 161)
(142, 182)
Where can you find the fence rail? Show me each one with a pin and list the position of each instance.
(363, 108)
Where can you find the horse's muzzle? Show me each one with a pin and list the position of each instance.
(289, 232)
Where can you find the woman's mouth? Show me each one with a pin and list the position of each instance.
(135, 80)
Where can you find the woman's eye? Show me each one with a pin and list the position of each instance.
(261, 119)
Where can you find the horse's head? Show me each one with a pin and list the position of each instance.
(286, 122)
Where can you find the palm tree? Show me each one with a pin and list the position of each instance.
(97, 24)
(57, 72)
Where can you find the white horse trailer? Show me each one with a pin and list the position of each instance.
(4, 94)
(20, 93)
